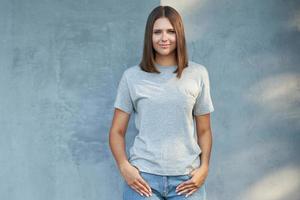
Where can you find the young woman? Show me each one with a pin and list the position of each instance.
(170, 97)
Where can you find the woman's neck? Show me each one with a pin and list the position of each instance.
(168, 60)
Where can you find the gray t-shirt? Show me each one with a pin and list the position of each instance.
(166, 143)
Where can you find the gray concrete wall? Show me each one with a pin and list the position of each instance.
(60, 62)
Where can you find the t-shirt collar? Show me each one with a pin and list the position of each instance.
(165, 68)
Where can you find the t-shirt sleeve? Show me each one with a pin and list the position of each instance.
(204, 104)
(123, 99)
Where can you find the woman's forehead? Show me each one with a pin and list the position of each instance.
(162, 23)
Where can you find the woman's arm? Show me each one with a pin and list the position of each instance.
(117, 137)
(200, 174)
(118, 147)
(204, 134)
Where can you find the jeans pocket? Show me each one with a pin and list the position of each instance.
(189, 175)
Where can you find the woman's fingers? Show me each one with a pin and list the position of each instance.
(184, 187)
(191, 192)
(140, 188)
(146, 185)
(183, 184)
(143, 188)
(136, 189)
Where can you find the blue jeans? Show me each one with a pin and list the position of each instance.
(163, 188)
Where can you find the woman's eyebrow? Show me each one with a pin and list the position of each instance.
(169, 29)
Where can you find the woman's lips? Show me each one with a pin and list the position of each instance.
(164, 46)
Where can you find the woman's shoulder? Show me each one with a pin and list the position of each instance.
(198, 69)
(197, 66)
(131, 70)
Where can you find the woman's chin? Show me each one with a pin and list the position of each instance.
(164, 53)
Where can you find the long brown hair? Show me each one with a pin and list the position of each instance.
(148, 60)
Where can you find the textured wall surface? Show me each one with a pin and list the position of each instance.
(60, 63)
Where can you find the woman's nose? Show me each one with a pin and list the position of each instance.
(164, 36)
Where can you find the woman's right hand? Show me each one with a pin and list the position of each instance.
(135, 180)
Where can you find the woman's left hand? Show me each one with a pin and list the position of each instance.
(190, 186)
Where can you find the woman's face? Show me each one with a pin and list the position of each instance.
(163, 37)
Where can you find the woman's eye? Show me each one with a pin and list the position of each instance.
(158, 32)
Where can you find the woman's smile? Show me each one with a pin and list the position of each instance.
(164, 46)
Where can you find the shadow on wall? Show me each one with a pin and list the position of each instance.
(278, 184)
